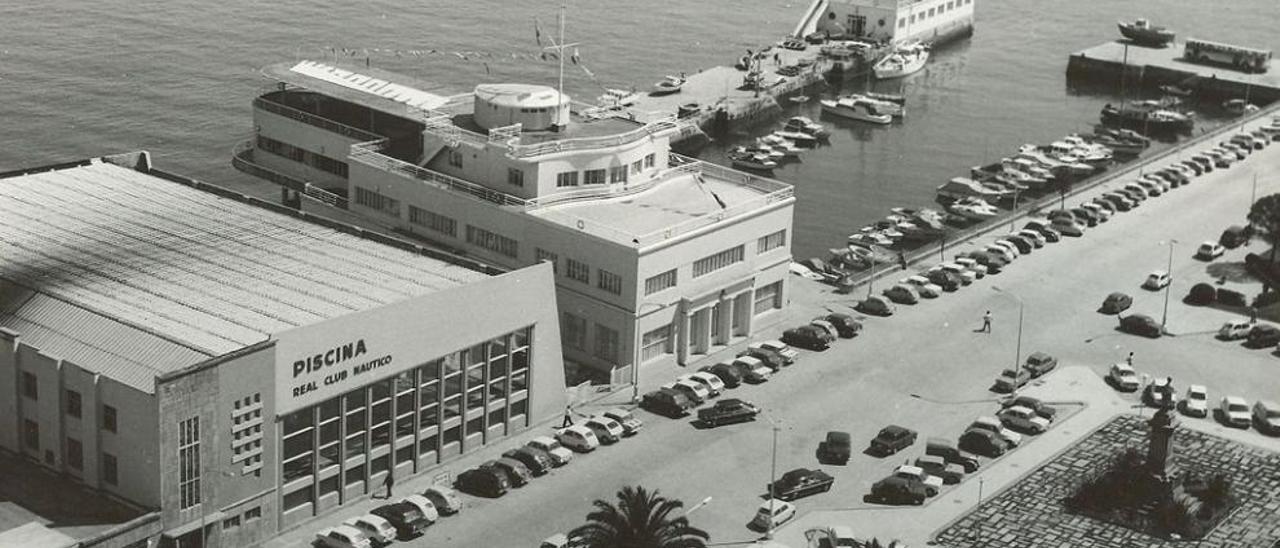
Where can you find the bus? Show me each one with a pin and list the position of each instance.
(1240, 57)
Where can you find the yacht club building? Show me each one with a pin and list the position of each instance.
(235, 367)
(657, 257)
(929, 21)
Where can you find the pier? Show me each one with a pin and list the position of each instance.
(1153, 67)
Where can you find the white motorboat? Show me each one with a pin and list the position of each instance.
(806, 126)
(959, 188)
(1033, 152)
(613, 97)
(780, 145)
(746, 160)
(668, 85)
(883, 106)
(854, 109)
(906, 58)
(970, 211)
(800, 139)
(758, 150)
(870, 238)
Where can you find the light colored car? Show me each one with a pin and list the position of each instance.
(923, 286)
(999, 251)
(1068, 227)
(607, 430)
(1021, 418)
(1036, 238)
(1157, 279)
(578, 438)
(1196, 404)
(689, 387)
(1123, 377)
(446, 499)
(379, 531)
(1235, 411)
(1155, 393)
(979, 270)
(776, 352)
(993, 425)
(932, 484)
(1266, 414)
(1013, 249)
(773, 513)
(1102, 213)
(342, 536)
(560, 455)
(712, 383)
(629, 422)
(1210, 251)
(754, 369)
(424, 505)
(966, 275)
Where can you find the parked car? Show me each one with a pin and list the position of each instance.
(1085, 216)
(773, 352)
(630, 424)
(1116, 303)
(1023, 420)
(1010, 380)
(1263, 335)
(1037, 239)
(517, 473)
(1101, 209)
(484, 481)
(846, 326)
(939, 467)
(1209, 251)
(1201, 294)
(806, 336)
(446, 500)
(876, 306)
(979, 270)
(952, 454)
(932, 484)
(424, 505)
(948, 281)
(1159, 393)
(342, 536)
(1119, 201)
(729, 375)
(1140, 324)
(1193, 167)
(922, 285)
(1205, 162)
(578, 438)
(1234, 236)
(1196, 404)
(827, 329)
(836, 448)
(666, 402)
(1266, 417)
(988, 422)
(728, 411)
(379, 531)
(712, 383)
(1041, 409)
(1039, 363)
(902, 294)
(407, 518)
(1068, 227)
(800, 483)
(1006, 253)
(895, 490)
(1157, 279)
(753, 370)
(560, 455)
(1123, 377)
(773, 513)
(537, 462)
(1235, 412)
(692, 390)
(1023, 246)
(983, 442)
(891, 439)
(966, 275)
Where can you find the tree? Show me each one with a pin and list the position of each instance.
(1265, 215)
(640, 519)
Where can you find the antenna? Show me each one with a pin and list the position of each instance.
(559, 49)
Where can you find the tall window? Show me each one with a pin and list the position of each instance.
(109, 418)
(30, 386)
(637, 167)
(568, 178)
(110, 472)
(609, 281)
(772, 241)
(73, 403)
(515, 177)
(31, 434)
(376, 201)
(593, 177)
(648, 160)
(492, 241)
(544, 255)
(433, 221)
(189, 463)
(577, 271)
(607, 344)
(768, 297)
(655, 343)
(618, 174)
(659, 282)
(712, 263)
(455, 158)
(75, 454)
(574, 332)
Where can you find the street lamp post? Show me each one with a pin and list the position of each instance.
(1017, 355)
(773, 474)
(1164, 317)
(695, 507)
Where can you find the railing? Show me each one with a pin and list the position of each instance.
(314, 120)
(370, 154)
(518, 150)
(242, 159)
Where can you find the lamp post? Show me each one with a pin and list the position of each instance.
(695, 507)
(872, 280)
(1164, 317)
(773, 474)
(1017, 356)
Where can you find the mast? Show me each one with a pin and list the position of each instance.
(560, 83)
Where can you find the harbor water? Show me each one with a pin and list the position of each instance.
(82, 78)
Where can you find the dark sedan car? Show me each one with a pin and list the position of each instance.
(1024, 246)
(983, 442)
(728, 374)
(1116, 303)
(483, 481)
(537, 462)
(1140, 324)
(891, 439)
(405, 517)
(806, 336)
(517, 473)
(845, 324)
(948, 281)
(1039, 363)
(836, 448)
(801, 482)
(896, 490)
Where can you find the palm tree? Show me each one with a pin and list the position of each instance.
(641, 519)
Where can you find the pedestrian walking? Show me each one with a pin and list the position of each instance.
(1253, 314)
(777, 58)
(390, 481)
(986, 322)
(902, 260)
(1129, 360)
(568, 416)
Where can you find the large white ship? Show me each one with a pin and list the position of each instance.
(890, 21)
(905, 59)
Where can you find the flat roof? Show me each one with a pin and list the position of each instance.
(579, 127)
(370, 87)
(134, 274)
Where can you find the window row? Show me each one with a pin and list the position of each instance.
(73, 404)
(374, 200)
(492, 241)
(434, 221)
(712, 263)
(303, 156)
(615, 174)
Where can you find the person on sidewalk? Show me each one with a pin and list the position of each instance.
(902, 260)
(390, 481)
(1129, 360)
(986, 322)
(568, 416)
(1253, 314)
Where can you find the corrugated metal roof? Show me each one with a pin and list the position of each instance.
(190, 269)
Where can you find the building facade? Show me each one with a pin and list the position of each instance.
(238, 367)
(657, 257)
(929, 21)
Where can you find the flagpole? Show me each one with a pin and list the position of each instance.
(560, 84)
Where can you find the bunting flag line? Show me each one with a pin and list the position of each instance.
(537, 32)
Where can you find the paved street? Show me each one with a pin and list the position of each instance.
(925, 368)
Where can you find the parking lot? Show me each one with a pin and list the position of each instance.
(927, 368)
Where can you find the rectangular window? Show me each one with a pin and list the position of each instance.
(252, 514)
(189, 462)
(515, 177)
(455, 158)
(577, 271)
(656, 343)
(593, 177)
(376, 201)
(492, 241)
(544, 255)
(660, 282)
(648, 160)
(931, 10)
(568, 178)
(75, 454)
(30, 386)
(606, 344)
(902, 23)
(712, 263)
(110, 473)
(771, 242)
(109, 418)
(768, 297)
(433, 221)
(574, 332)
(609, 281)
(73, 403)
(637, 166)
(231, 522)
(618, 174)
(31, 434)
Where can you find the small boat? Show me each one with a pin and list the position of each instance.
(758, 150)
(1118, 146)
(971, 212)
(897, 110)
(618, 98)
(895, 98)
(1176, 91)
(907, 58)
(757, 162)
(1060, 166)
(959, 188)
(804, 125)
(800, 139)
(798, 99)
(1239, 107)
(870, 238)
(779, 146)
(1145, 118)
(854, 109)
(1141, 31)
(669, 85)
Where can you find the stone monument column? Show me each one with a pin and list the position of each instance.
(1160, 449)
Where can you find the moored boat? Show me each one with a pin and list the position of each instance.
(668, 85)
(756, 162)
(1239, 107)
(613, 97)
(1146, 118)
(959, 188)
(1141, 31)
(806, 126)
(854, 109)
(907, 58)
(800, 139)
